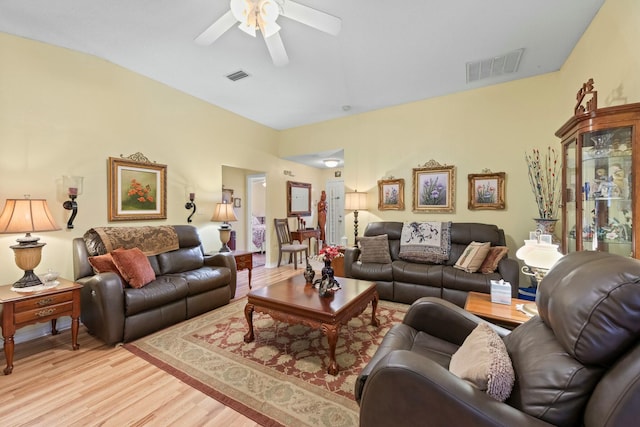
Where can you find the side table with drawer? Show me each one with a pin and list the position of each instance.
(25, 308)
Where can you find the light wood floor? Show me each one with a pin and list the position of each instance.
(100, 385)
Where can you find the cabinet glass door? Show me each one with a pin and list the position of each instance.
(606, 175)
(573, 190)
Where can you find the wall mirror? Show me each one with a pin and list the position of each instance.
(298, 199)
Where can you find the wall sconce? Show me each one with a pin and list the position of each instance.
(191, 205)
(73, 184)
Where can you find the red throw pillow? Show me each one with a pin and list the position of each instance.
(134, 266)
(104, 264)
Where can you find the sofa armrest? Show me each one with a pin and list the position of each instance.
(351, 255)
(102, 306)
(224, 259)
(408, 387)
(444, 320)
(509, 269)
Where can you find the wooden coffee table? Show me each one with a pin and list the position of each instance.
(504, 314)
(294, 301)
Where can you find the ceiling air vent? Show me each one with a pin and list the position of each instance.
(234, 77)
(493, 67)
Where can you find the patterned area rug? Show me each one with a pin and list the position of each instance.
(280, 378)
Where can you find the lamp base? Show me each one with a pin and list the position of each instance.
(225, 236)
(29, 279)
(224, 248)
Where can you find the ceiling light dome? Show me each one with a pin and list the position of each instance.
(331, 163)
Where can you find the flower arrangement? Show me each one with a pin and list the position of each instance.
(329, 253)
(544, 179)
(140, 193)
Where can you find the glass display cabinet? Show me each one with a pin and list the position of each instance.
(599, 176)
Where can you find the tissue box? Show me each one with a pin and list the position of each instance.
(500, 292)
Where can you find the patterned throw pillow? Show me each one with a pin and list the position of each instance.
(134, 266)
(473, 256)
(490, 263)
(375, 249)
(483, 361)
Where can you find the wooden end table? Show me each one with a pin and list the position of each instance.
(244, 260)
(22, 309)
(480, 304)
(294, 301)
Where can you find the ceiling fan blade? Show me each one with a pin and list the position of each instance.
(277, 50)
(217, 29)
(312, 17)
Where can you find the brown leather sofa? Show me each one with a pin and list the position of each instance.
(188, 283)
(576, 364)
(406, 281)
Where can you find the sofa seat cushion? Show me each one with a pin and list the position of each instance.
(419, 274)
(372, 271)
(453, 278)
(161, 291)
(205, 279)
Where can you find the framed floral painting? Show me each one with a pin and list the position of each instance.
(434, 188)
(486, 191)
(391, 194)
(137, 189)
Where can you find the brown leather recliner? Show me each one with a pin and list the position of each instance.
(577, 363)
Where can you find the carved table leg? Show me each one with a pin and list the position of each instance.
(331, 331)
(75, 323)
(374, 306)
(54, 330)
(248, 313)
(8, 353)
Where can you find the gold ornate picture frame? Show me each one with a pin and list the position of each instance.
(434, 188)
(486, 191)
(137, 189)
(391, 194)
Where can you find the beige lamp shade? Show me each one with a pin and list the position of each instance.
(224, 213)
(27, 216)
(355, 201)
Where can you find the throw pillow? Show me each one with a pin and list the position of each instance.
(483, 361)
(472, 257)
(134, 266)
(104, 264)
(490, 263)
(375, 249)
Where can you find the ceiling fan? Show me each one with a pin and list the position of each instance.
(262, 15)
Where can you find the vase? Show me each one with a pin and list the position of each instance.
(327, 270)
(547, 226)
(309, 274)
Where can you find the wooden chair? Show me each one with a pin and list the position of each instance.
(286, 245)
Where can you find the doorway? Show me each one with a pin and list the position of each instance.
(256, 213)
(335, 212)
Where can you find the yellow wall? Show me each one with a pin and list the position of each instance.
(63, 112)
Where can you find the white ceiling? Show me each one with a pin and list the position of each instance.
(388, 52)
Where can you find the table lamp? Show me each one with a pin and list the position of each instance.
(538, 258)
(27, 216)
(224, 213)
(355, 201)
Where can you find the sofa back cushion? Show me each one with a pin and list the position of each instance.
(185, 259)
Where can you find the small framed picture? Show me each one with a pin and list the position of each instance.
(237, 202)
(391, 194)
(434, 189)
(227, 195)
(486, 191)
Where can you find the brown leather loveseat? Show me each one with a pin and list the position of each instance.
(406, 281)
(187, 283)
(576, 364)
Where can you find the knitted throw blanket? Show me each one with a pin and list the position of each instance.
(152, 240)
(425, 242)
